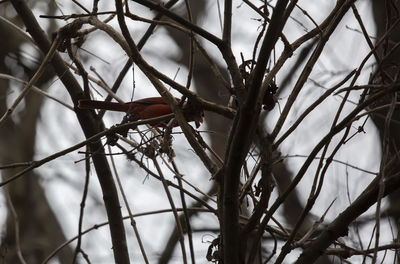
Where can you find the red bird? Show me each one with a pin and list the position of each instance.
(144, 108)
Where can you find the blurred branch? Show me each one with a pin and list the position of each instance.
(339, 227)
(240, 138)
(174, 211)
(289, 49)
(159, 8)
(335, 130)
(133, 222)
(37, 90)
(34, 79)
(97, 226)
(223, 46)
(227, 28)
(89, 126)
(17, 29)
(140, 45)
(309, 66)
(311, 108)
(88, 141)
(206, 105)
(78, 248)
(16, 223)
(149, 71)
(242, 159)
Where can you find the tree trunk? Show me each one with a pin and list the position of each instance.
(39, 230)
(385, 13)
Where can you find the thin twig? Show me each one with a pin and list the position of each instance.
(82, 205)
(382, 176)
(37, 90)
(189, 230)
(36, 164)
(97, 226)
(34, 79)
(133, 222)
(174, 211)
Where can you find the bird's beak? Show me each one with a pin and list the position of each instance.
(200, 119)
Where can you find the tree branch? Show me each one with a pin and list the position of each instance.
(90, 127)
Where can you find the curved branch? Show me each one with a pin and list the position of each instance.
(90, 127)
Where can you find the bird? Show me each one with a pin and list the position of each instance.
(144, 108)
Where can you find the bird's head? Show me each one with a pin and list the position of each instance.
(199, 118)
(193, 112)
